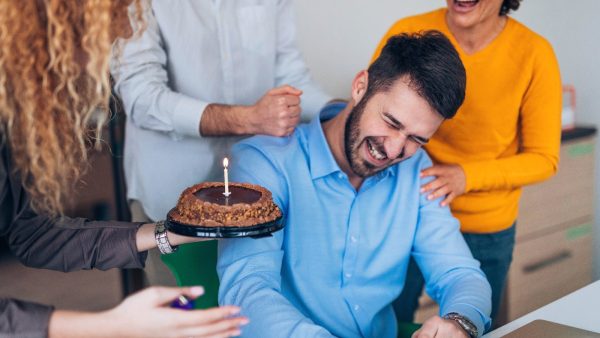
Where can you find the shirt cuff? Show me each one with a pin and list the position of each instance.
(187, 114)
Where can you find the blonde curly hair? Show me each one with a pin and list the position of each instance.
(55, 88)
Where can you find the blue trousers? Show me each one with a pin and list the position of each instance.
(493, 251)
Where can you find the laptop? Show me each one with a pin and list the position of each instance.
(545, 329)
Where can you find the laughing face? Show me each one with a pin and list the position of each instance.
(469, 13)
(387, 128)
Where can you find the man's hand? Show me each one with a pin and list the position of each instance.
(440, 328)
(276, 113)
(450, 181)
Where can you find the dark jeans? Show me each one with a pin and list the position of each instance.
(493, 251)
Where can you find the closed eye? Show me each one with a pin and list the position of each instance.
(397, 125)
(418, 140)
(392, 122)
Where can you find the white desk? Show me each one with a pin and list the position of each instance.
(579, 309)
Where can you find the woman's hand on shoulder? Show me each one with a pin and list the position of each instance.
(449, 182)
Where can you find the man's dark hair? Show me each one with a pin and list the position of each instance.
(509, 5)
(431, 65)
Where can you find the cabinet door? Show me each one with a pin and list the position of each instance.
(567, 196)
(548, 267)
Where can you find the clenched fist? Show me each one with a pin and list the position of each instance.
(277, 113)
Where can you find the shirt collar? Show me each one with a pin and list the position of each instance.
(322, 162)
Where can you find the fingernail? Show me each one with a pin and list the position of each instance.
(236, 333)
(429, 198)
(244, 321)
(197, 290)
(235, 310)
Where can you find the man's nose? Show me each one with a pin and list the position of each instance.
(395, 146)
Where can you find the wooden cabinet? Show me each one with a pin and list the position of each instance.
(554, 249)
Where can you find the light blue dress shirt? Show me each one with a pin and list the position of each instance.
(342, 257)
(193, 53)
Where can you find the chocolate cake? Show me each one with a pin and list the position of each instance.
(205, 204)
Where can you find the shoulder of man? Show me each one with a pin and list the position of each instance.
(273, 148)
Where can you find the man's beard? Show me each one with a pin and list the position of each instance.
(359, 166)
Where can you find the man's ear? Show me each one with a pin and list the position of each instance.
(359, 86)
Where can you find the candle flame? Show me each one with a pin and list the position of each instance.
(226, 162)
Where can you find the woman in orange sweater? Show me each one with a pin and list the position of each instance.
(505, 135)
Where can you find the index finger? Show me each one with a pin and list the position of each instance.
(431, 171)
(292, 100)
(285, 89)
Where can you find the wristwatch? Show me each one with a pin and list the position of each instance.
(464, 322)
(162, 241)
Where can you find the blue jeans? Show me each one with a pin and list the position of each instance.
(493, 251)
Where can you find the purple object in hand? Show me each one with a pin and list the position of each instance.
(182, 302)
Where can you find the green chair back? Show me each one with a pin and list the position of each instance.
(196, 264)
(405, 330)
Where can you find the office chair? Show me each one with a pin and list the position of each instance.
(196, 264)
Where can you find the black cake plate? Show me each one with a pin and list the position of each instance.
(254, 231)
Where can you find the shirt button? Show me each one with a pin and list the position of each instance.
(356, 307)
(348, 275)
(340, 176)
(353, 239)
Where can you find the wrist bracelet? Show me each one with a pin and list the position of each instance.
(162, 241)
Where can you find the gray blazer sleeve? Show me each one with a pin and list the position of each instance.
(63, 244)
(23, 319)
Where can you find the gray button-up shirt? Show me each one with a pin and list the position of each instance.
(194, 53)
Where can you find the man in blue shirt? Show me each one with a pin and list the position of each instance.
(348, 184)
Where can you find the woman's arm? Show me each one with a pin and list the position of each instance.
(146, 314)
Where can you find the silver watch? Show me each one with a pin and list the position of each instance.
(162, 241)
(464, 322)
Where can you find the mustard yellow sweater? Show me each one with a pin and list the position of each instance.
(507, 132)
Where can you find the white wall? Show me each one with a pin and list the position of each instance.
(338, 37)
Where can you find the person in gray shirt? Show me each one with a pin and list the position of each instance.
(201, 76)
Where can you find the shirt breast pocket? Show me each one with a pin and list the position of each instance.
(255, 28)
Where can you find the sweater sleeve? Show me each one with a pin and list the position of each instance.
(23, 319)
(539, 132)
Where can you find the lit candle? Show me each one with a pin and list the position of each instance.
(226, 175)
